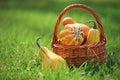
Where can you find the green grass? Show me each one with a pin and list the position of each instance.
(22, 22)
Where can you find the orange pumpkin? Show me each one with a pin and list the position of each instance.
(68, 20)
(71, 34)
(84, 28)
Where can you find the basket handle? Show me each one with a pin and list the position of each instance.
(68, 8)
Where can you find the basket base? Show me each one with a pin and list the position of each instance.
(77, 55)
(83, 61)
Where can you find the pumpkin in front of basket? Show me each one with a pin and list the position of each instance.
(71, 34)
(50, 60)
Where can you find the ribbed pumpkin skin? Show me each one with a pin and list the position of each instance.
(71, 34)
(93, 36)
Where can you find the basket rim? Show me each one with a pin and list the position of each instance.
(79, 46)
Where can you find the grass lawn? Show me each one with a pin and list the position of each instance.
(22, 22)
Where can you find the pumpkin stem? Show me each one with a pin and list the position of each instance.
(94, 26)
(41, 47)
(37, 42)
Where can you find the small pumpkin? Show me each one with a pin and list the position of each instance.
(93, 35)
(68, 20)
(71, 34)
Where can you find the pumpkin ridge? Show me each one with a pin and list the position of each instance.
(69, 26)
(63, 31)
(71, 42)
(66, 36)
(71, 34)
(77, 43)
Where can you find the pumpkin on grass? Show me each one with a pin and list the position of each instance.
(71, 34)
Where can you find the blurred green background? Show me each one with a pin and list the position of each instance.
(22, 21)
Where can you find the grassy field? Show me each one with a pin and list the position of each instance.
(22, 22)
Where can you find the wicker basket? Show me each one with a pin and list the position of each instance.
(76, 55)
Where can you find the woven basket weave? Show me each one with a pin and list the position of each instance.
(76, 55)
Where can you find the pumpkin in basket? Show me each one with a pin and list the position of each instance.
(71, 34)
(93, 35)
(68, 20)
(83, 27)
